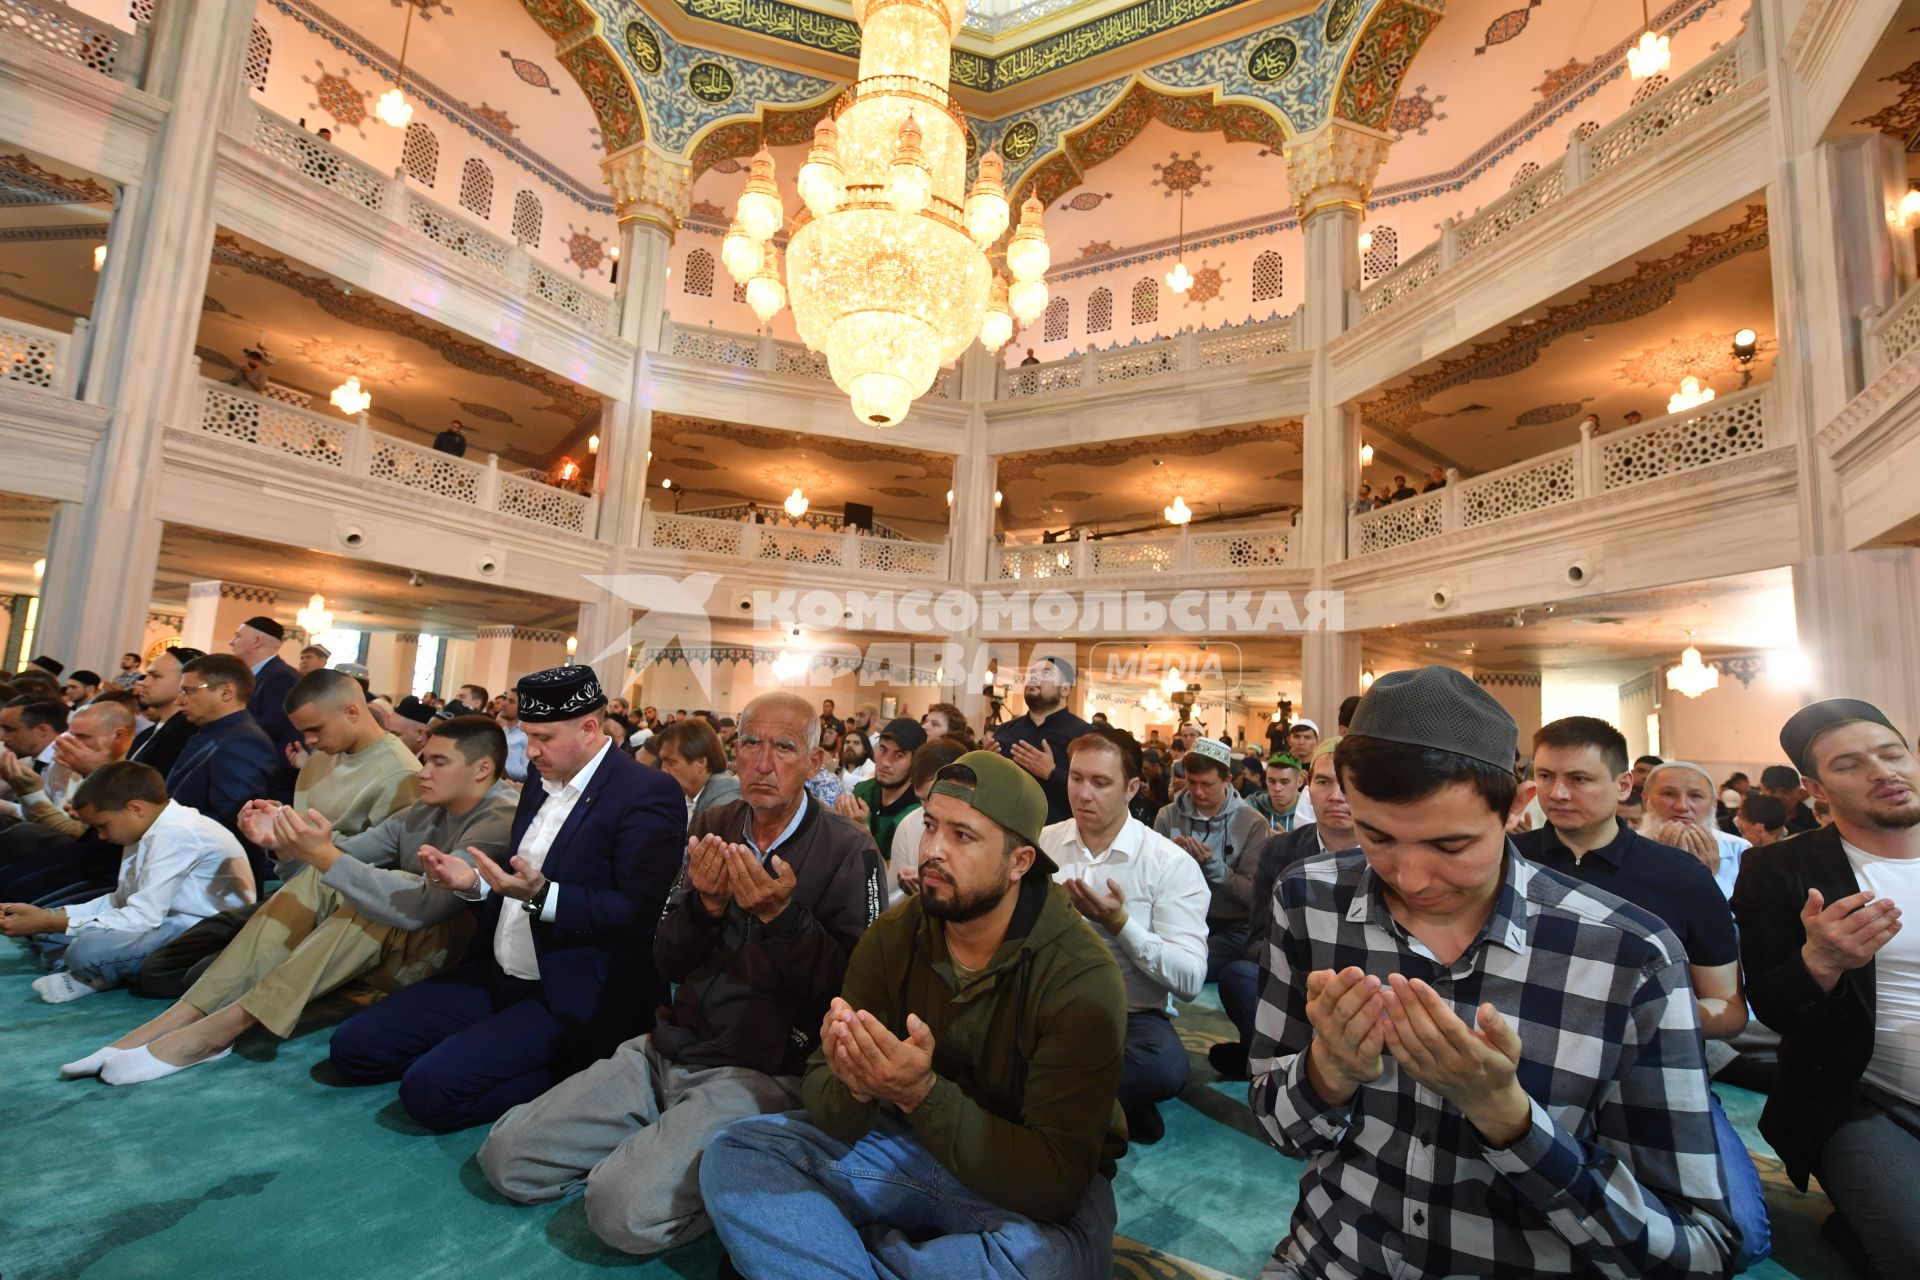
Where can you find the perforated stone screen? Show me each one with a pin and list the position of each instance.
(699, 274)
(1267, 278)
(1384, 255)
(1056, 320)
(1146, 301)
(476, 188)
(259, 52)
(526, 219)
(1100, 311)
(420, 154)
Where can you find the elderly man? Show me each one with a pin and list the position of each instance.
(257, 642)
(1681, 812)
(960, 1116)
(1148, 901)
(408, 721)
(352, 907)
(53, 852)
(1489, 1069)
(756, 937)
(1832, 969)
(1038, 740)
(561, 970)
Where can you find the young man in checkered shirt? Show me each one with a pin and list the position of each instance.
(1491, 1070)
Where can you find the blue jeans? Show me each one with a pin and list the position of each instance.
(791, 1202)
(1225, 944)
(1154, 1066)
(1744, 1196)
(1240, 996)
(112, 956)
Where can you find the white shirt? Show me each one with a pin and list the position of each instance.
(1732, 848)
(186, 866)
(905, 855)
(513, 932)
(1162, 950)
(860, 774)
(1895, 1065)
(1303, 811)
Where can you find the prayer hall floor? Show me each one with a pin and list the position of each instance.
(260, 1165)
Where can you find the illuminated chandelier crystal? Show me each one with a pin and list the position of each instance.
(1692, 677)
(1650, 55)
(887, 268)
(1178, 512)
(393, 109)
(349, 399)
(316, 617)
(1691, 395)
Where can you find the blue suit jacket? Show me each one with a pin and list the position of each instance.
(224, 765)
(615, 861)
(268, 705)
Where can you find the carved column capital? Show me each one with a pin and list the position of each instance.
(649, 187)
(1334, 165)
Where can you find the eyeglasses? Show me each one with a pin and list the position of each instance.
(194, 688)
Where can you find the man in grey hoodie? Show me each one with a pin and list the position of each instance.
(355, 907)
(1225, 835)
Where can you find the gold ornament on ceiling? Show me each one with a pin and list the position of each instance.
(1703, 356)
(351, 360)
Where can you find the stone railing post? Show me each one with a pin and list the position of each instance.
(1448, 252)
(73, 358)
(1183, 550)
(1189, 349)
(131, 61)
(398, 197)
(519, 268)
(1586, 464)
(358, 460)
(1450, 501)
(768, 354)
(490, 484)
(193, 392)
(1083, 556)
(1573, 169)
(1089, 367)
(849, 549)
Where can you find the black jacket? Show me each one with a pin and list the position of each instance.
(160, 745)
(752, 994)
(1826, 1038)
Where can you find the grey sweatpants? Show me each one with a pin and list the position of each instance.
(631, 1129)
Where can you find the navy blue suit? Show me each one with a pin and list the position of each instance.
(469, 1044)
(269, 700)
(224, 765)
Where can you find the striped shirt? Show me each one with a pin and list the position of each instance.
(1618, 1176)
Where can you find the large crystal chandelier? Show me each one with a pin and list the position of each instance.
(887, 268)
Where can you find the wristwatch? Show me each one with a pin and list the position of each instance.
(538, 902)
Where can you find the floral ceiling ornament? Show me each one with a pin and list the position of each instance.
(1413, 113)
(1506, 27)
(348, 359)
(1087, 201)
(1207, 282)
(586, 251)
(1181, 174)
(1705, 355)
(336, 96)
(531, 72)
(496, 117)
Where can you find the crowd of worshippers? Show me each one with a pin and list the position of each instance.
(885, 990)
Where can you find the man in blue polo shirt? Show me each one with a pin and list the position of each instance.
(1581, 772)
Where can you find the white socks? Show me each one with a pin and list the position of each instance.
(89, 1065)
(58, 988)
(136, 1066)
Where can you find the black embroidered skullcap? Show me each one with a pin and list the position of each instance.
(266, 626)
(559, 693)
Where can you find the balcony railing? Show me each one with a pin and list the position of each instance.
(1263, 547)
(773, 514)
(353, 450)
(1672, 110)
(1891, 334)
(775, 544)
(1194, 349)
(333, 168)
(41, 359)
(1727, 427)
(709, 345)
(72, 34)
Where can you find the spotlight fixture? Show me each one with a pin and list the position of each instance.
(996, 497)
(1746, 344)
(1366, 680)
(593, 444)
(1366, 455)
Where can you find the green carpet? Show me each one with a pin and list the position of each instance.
(260, 1165)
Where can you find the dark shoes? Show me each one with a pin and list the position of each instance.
(1229, 1058)
(1145, 1126)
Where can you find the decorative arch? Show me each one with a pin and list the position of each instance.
(773, 126)
(580, 44)
(1143, 102)
(1369, 80)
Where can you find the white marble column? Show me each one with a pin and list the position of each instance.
(1331, 174)
(103, 553)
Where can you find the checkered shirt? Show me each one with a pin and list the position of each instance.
(1619, 1175)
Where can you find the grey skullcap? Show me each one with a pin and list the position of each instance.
(1441, 709)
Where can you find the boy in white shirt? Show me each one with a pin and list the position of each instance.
(179, 868)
